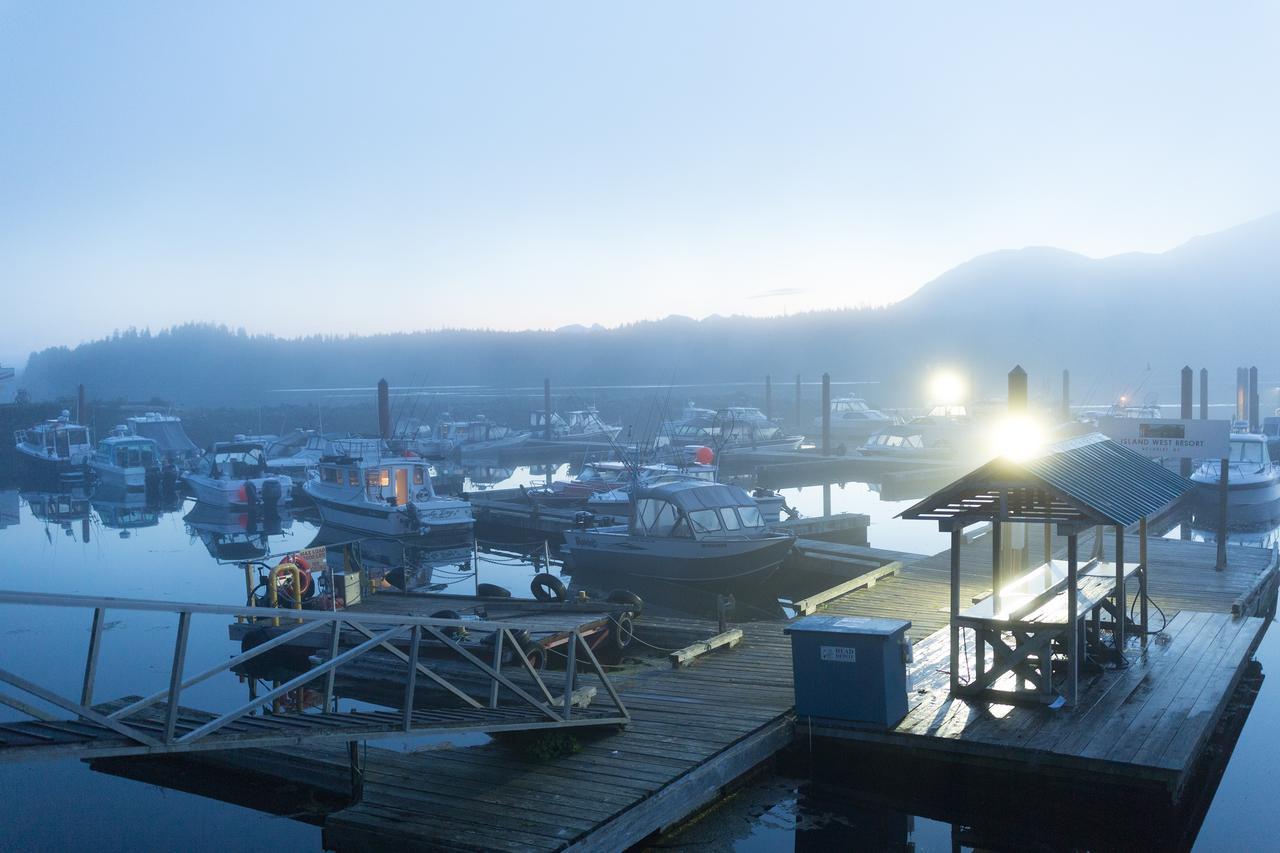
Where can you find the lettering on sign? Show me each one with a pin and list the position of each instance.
(839, 654)
(1169, 439)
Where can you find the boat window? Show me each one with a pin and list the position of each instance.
(704, 520)
(730, 518)
(417, 476)
(353, 477)
(329, 475)
(1247, 451)
(750, 516)
(655, 517)
(681, 529)
(371, 478)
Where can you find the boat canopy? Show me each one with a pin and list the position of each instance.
(166, 432)
(695, 509)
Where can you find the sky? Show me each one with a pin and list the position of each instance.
(352, 168)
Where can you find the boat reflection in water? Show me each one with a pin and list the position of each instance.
(235, 535)
(125, 510)
(60, 509)
(408, 563)
(10, 513)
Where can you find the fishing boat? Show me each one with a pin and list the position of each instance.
(171, 439)
(386, 496)
(945, 434)
(852, 420)
(688, 532)
(616, 501)
(728, 429)
(475, 437)
(297, 455)
(57, 446)
(582, 425)
(126, 461)
(1252, 478)
(235, 474)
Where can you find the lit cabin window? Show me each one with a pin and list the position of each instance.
(353, 477)
(384, 476)
(417, 476)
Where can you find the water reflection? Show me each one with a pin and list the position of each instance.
(233, 534)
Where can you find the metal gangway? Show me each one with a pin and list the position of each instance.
(157, 724)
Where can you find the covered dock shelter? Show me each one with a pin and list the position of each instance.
(1042, 623)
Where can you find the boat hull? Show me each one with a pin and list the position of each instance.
(389, 521)
(235, 492)
(1258, 493)
(129, 479)
(701, 562)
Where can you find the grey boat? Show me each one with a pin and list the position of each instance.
(688, 532)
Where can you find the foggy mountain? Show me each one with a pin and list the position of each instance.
(1106, 319)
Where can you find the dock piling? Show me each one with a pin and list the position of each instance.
(1254, 420)
(826, 416)
(1204, 393)
(82, 410)
(1184, 465)
(1066, 396)
(1017, 389)
(768, 396)
(799, 420)
(546, 408)
(384, 409)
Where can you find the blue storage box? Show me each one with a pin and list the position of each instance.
(850, 668)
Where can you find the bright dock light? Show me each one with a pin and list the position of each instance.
(946, 389)
(1017, 437)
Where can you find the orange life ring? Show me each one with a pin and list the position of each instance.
(304, 573)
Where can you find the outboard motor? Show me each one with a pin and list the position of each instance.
(270, 494)
(583, 519)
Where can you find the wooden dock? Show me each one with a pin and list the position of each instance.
(697, 728)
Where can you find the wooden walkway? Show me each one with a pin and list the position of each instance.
(692, 731)
(1144, 725)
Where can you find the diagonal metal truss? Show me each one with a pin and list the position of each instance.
(158, 724)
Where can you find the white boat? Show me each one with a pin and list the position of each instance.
(580, 425)
(386, 496)
(126, 461)
(171, 439)
(616, 501)
(727, 429)
(853, 420)
(57, 445)
(1252, 478)
(235, 473)
(298, 454)
(469, 438)
(945, 434)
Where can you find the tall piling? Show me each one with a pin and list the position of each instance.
(768, 396)
(1017, 389)
(384, 409)
(546, 408)
(1066, 396)
(799, 421)
(82, 409)
(1204, 393)
(1184, 465)
(1255, 418)
(826, 415)
(1242, 389)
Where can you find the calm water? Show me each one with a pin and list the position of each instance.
(101, 547)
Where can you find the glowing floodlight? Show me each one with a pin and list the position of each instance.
(946, 389)
(1018, 437)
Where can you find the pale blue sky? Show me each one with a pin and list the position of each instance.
(309, 167)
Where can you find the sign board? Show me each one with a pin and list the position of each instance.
(1165, 438)
(839, 654)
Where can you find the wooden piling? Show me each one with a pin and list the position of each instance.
(826, 416)
(1254, 420)
(1184, 465)
(1017, 389)
(1204, 393)
(546, 407)
(768, 396)
(799, 420)
(1066, 396)
(384, 409)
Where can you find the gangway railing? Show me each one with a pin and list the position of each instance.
(157, 724)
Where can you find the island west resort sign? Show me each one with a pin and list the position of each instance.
(1159, 438)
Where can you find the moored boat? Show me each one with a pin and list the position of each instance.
(386, 496)
(125, 461)
(58, 445)
(688, 532)
(852, 420)
(1252, 478)
(235, 474)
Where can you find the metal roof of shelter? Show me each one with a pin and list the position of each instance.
(1086, 480)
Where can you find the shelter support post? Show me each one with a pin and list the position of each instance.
(1120, 596)
(955, 608)
(1142, 578)
(1073, 622)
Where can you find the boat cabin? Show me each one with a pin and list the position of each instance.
(123, 450)
(56, 438)
(1249, 449)
(692, 509)
(390, 480)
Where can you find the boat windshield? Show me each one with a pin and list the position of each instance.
(1248, 452)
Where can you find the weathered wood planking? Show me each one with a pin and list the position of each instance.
(1145, 724)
